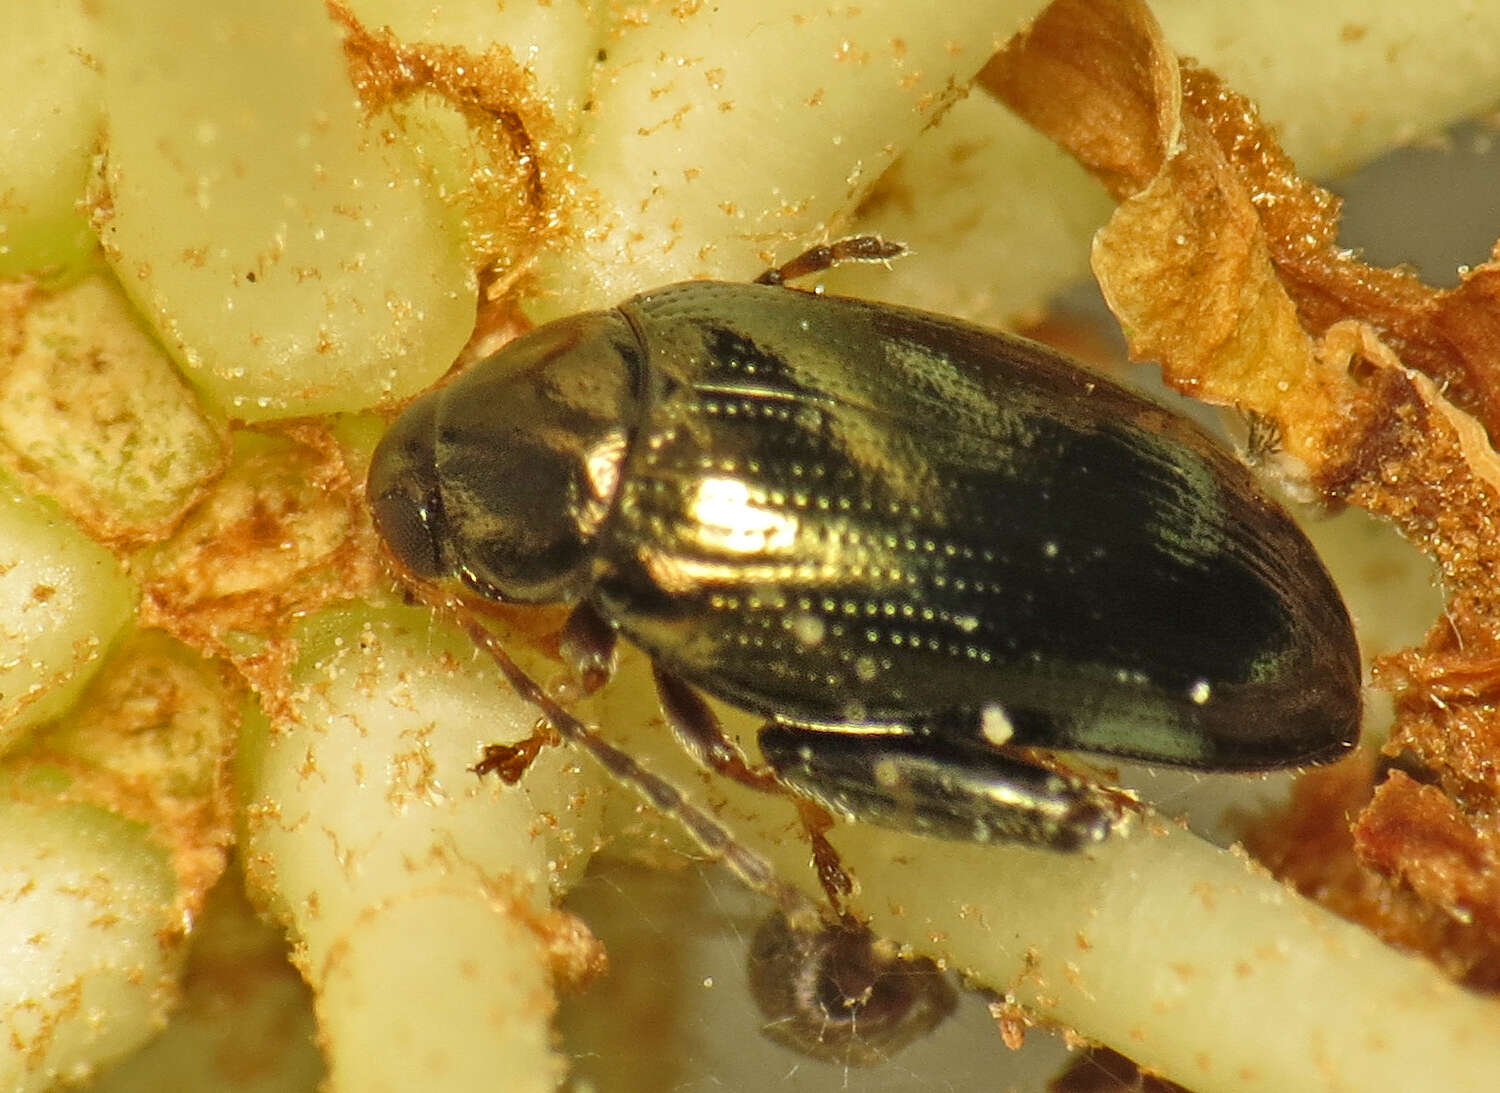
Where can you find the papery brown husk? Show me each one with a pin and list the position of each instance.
(1223, 266)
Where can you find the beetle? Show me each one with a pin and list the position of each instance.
(917, 548)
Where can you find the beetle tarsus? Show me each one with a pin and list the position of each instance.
(587, 644)
(510, 762)
(837, 884)
(858, 248)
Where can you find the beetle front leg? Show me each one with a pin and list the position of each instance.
(509, 762)
(697, 729)
(587, 646)
(903, 778)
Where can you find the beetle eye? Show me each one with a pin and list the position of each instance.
(404, 497)
(410, 524)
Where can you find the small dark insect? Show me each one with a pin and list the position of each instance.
(838, 994)
(917, 548)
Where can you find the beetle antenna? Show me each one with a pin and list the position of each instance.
(715, 839)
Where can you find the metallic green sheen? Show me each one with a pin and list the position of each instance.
(836, 511)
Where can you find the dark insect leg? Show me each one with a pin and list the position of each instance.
(698, 731)
(1100, 1068)
(715, 840)
(587, 645)
(858, 248)
(936, 786)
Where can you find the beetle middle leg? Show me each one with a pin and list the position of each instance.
(697, 729)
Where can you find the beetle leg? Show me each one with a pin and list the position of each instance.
(837, 885)
(858, 248)
(509, 762)
(587, 645)
(711, 835)
(903, 778)
(697, 729)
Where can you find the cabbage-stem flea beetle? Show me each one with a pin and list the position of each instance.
(918, 548)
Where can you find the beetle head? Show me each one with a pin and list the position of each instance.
(503, 478)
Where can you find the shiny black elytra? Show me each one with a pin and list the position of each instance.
(914, 546)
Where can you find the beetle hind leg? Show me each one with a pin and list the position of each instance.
(936, 786)
(858, 248)
(697, 729)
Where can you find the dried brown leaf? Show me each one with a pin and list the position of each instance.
(1223, 265)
